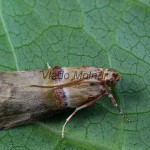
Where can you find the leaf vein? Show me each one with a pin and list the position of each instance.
(9, 40)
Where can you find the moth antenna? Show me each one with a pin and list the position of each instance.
(116, 105)
(49, 67)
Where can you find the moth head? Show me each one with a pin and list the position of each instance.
(111, 77)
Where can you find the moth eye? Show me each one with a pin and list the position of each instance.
(109, 83)
(115, 75)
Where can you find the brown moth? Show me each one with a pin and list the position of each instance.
(26, 96)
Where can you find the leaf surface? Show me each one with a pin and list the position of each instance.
(110, 34)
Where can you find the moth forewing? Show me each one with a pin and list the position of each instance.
(20, 103)
(26, 96)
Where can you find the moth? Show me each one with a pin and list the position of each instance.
(27, 96)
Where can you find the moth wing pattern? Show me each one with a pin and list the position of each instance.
(20, 103)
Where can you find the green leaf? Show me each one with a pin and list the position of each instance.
(101, 33)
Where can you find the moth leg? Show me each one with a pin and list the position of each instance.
(116, 105)
(49, 67)
(81, 107)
